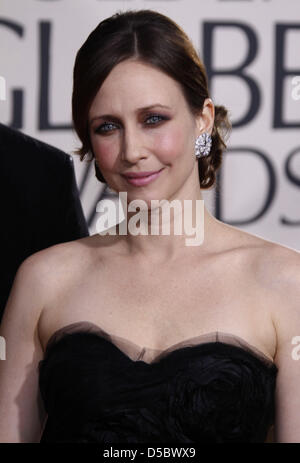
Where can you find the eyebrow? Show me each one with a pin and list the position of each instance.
(114, 118)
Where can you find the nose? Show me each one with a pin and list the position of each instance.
(132, 147)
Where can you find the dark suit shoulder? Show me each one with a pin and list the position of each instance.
(29, 149)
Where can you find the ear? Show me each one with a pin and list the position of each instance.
(205, 120)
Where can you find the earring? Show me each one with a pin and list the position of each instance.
(203, 145)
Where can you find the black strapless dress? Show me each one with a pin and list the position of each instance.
(213, 388)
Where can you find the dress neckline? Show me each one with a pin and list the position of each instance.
(137, 353)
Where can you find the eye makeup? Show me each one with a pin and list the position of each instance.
(104, 127)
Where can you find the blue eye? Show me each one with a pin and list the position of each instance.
(155, 118)
(105, 128)
(108, 127)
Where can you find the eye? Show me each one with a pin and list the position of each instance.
(105, 128)
(108, 127)
(154, 118)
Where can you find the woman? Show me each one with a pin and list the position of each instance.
(141, 338)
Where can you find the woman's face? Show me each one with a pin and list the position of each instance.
(139, 121)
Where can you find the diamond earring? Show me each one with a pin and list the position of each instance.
(203, 145)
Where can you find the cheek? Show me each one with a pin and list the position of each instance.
(171, 145)
(105, 153)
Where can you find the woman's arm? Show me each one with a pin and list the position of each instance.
(21, 411)
(287, 359)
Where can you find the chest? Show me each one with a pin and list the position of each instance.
(157, 307)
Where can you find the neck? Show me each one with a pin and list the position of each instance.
(165, 231)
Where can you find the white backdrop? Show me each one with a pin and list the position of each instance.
(256, 43)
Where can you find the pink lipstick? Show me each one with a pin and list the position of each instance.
(141, 178)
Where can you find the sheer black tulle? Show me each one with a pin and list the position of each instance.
(208, 389)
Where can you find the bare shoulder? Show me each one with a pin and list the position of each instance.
(270, 262)
(278, 271)
(53, 262)
(55, 270)
(281, 266)
(277, 267)
(275, 270)
(47, 271)
(36, 280)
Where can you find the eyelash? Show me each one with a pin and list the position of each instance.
(99, 131)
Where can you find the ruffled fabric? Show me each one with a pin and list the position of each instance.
(210, 392)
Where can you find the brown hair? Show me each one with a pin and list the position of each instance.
(153, 38)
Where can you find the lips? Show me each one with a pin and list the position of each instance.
(140, 174)
(141, 178)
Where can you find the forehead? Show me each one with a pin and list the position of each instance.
(137, 84)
